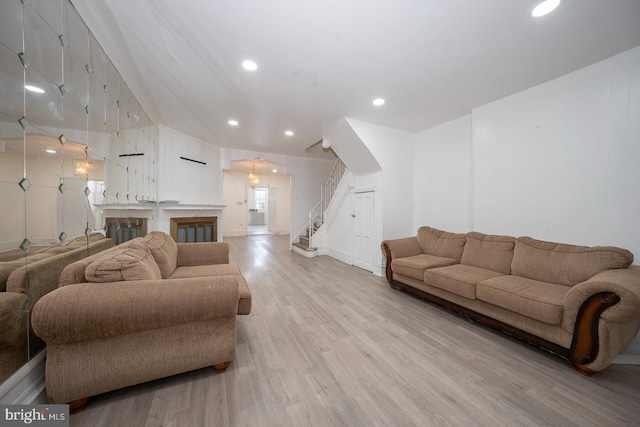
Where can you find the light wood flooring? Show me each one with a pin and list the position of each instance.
(328, 344)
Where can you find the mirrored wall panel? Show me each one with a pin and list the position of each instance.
(73, 138)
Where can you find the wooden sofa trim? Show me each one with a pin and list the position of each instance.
(585, 343)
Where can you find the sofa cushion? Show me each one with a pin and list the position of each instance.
(441, 243)
(164, 250)
(541, 301)
(564, 264)
(489, 252)
(206, 271)
(414, 266)
(244, 304)
(132, 263)
(459, 279)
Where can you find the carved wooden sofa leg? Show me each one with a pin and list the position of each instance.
(388, 273)
(221, 367)
(584, 370)
(78, 405)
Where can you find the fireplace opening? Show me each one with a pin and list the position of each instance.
(124, 229)
(194, 229)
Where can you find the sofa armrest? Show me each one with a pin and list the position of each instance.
(203, 253)
(13, 320)
(624, 283)
(88, 311)
(398, 248)
(603, 315)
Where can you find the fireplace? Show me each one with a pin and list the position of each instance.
(194, 229)
(161, 216)
(124, 229)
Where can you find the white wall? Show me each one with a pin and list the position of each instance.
(391, 179)
(235, 197)
(307, 175)
(442, 173)
(394, 150)
(183, 180)
(557, 162)
(560, 161)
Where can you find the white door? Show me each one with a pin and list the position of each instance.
(363, 230)
(271, 210)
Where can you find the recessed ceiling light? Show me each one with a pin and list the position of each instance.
(249, 65)
(378, 101)
(544, 7)
(274, 170)
(289, 133)
(50, 151)
(233, 122)
(34, 89)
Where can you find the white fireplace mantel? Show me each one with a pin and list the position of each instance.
(159, 214)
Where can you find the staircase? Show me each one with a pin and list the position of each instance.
(316, 216)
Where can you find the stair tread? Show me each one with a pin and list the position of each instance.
(303, 246)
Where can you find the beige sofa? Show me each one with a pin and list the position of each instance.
(582, 303)
(23, 282)
(146, 309)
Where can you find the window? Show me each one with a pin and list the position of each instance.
(260, 199)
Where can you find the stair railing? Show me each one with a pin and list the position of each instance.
(327, 190)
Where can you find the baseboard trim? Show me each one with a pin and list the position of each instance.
(26, 386)
(342, 256)
(626, 359)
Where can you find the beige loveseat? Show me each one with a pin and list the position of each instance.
(582, 303)
(146, 309)
(24, 281)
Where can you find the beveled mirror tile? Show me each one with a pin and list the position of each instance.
(97, 60)
(73, 211)
(42, 46)
(24, 184)
(11, 28)
(97, 98)
(123, 183)
(75, 119)
(124, 148)
(76, 33)
(12, 87)
(43, 110)
(111, 112)
(76, 79)
(99, 142)
(25, 245)
(51, 12)
(12, 220)
(96, 123)
(113, 79)
(43, 216)
(12, 158)
(24, 123)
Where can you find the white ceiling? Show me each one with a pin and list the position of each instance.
(319, 61)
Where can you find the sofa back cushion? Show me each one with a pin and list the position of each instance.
(130, 263)
(564, 264)
(164, 250)
(75, 272)
(441, 243)
(490, 252)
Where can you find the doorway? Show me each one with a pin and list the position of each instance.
(260, 211)
(363, 230)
